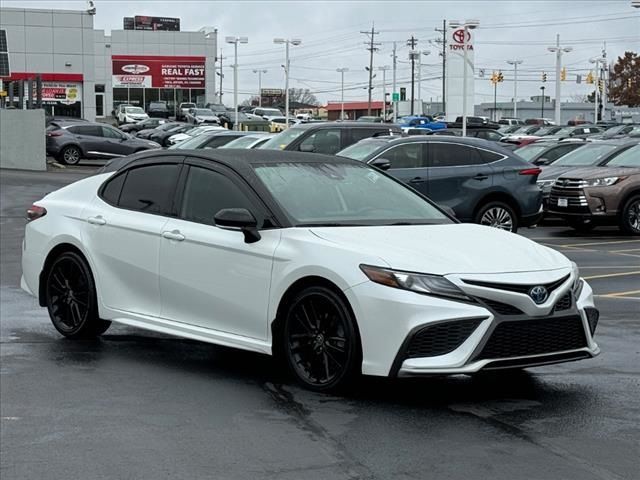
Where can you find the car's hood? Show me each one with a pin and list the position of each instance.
(600, 172)
(207, 117)
(447, 249)
(178, 137)
(552, 172)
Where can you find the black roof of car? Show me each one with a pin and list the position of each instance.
(346, 125)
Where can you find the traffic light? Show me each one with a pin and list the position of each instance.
(563, 74)
(500, 77)
(601, 85)
(494, 78)
(589, 78)
(544, 77)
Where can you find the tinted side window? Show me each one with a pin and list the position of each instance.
(111, 133)
(111, 191)
(558, 152)
(453, 155)
(150, 189)
(324, 141)
(207, 192)
(358, 134)
(90, 130)
(218, 141)
(408, 155)
(488, 157)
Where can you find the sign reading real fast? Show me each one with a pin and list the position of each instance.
(137, 71)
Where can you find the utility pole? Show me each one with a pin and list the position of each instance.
(372, 48)
(341, 72)
(412, 42)
(605, 80)
(395, 66)
(221, 74)
(515, 64)
(260, 72)
(558, 50)
(444, 63)
(384, 69)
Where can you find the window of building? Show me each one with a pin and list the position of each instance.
(136, 97)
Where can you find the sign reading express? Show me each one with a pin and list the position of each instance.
(157, 72)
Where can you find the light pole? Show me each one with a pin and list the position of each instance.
(515, 64)
(599, 63)
(425, 53)
(395, 67)
(287, 41)
(466, 26)
(341, 72)
(558, 50)
(236, 41)
(259, 72)
(542, 108)
(384, 69)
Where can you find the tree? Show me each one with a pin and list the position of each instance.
(624, 81)
(300, 95)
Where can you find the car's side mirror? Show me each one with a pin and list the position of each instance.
(239, 219)
(381, 163)
(305, 147)
(541, 161)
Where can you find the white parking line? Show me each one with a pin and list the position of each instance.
(608, 275)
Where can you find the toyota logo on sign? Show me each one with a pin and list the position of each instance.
(458, 36)
(135, 69)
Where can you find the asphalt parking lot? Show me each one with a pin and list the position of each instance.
(134, 404)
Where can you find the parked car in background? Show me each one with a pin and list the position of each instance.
(71, 142)
(183, 109)
(131, 115)
(194, 132)
(208, 140)
(251, 122)
(521, 133)
(143, 125)
(510, 121)
(618, 131)
(420, 122)
(539, 134)
(577, 131)
(589, 155)
(479, 180)
(370, 119)
(147, 132)
(162, 136)
(278, 124)
(484, 133)
(266, 113)
(539, 121)
(604, 195)
(327, 137)
(545, 153)
(159, 109)
(252, 140)
(507, 129)
(119, 109)
(198, 116)
(475, 122)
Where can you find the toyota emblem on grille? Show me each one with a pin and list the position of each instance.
(538, 294)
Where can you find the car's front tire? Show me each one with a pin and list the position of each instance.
(630, 216)
(498, 215)
(320, 340)
(70, 155)
(71, 300)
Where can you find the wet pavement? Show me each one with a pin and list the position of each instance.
(135, 404)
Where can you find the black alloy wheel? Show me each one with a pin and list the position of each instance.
(321, 343)
(71, 155)
(498, 215)
(630, 216)
(71, 298)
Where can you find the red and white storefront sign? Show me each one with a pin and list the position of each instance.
(63, 92)
(137, 71)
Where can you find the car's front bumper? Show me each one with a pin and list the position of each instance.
(390, 319)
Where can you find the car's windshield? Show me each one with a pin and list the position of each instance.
(565, 131)
(628, 158)
(270, 112)
(133, 110)
(280, 141)
(157, 105)
(585, 156)
(242, 142)
(188, 105)
(610, 132)
(529, 151)
(190, 143)
(546, 131)
(342, 194)
(361, 150)
(202, 111)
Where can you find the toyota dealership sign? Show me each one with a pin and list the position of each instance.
(157, 71)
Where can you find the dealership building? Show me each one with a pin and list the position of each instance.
(86, 73)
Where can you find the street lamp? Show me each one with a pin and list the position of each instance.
(558, 50)
(515, 64)
(542, 107)
(425, 53)
(287, 41)
(236, 41)
(259, 72)
(466, 25)
(384, 69)
(598, 61)
(341, 72)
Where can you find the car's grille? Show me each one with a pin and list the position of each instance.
(534, 337)
(501, 308)
(518, 288)
(441, 338)
(572, 191)
(564, 303)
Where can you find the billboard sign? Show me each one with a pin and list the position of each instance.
(156, 23)
(157, 71)
(455, 81)
(62, 92)
(272, 92)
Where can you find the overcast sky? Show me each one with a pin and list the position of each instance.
(330, 32)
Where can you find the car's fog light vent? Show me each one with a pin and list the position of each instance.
(592, 317)
(564, 303)
(441, 338)
(502, 308)
(534, 337)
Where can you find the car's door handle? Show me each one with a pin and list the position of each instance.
(417, 180)
(173, 235)
(480, 176)
(97, 220)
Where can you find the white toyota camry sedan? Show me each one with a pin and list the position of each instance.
(328, 263)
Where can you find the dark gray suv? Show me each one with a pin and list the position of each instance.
(71, 142)
(478, 179)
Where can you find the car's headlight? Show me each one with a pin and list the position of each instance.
(545, 183)
(416, 282)
(603, 182)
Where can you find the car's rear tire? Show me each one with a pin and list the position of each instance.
(320, 341)
(498, 215)
(70, 155)
(630, 216)
(71, 300)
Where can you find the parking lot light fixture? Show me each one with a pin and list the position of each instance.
(341, 72)
(259, 72)
(287, 42)
(235, 41)
(515, 64)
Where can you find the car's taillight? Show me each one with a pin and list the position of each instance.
(55, 133)
(530, 171)
(35, 212)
